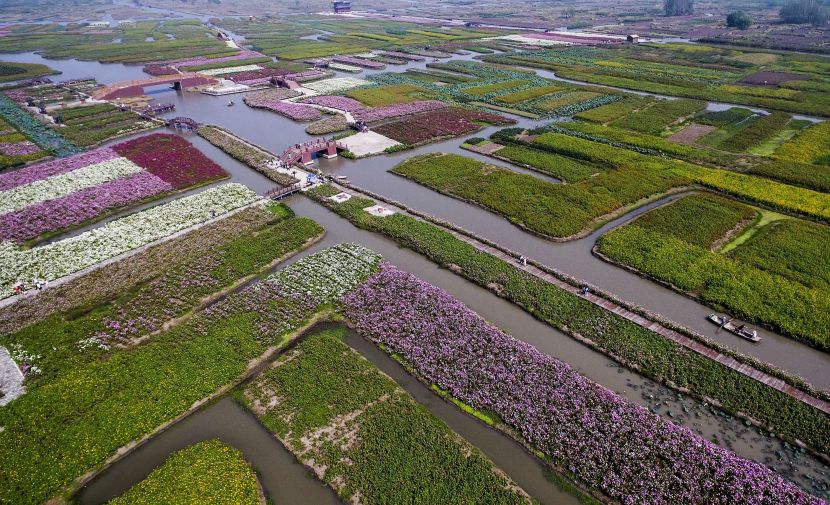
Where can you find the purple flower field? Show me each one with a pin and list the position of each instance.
(23, 148)
(369, 114)
(78, 207)
(40, 171)
(609, 444)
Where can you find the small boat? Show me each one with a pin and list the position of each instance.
(230, 103)
(341, 177)
(739, 330)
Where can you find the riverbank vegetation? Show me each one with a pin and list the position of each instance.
(14, 71)
(206, 472)
(647, 352)
(779, 282)
(364, 436)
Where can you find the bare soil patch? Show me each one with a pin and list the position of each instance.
(691, 133)
(772, 78)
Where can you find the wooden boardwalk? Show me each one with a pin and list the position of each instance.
(688, 343)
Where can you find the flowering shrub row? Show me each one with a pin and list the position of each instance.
(247, 76)
(329, 274)
(335, 85)
(75, 208)
(230, 70)
(54, 167)
(158, 69)
(171, 158)
(294, 111)
(23, 148)
(61, 185)
(370, 114)
(622, 449)
(60, 258)
(183, 287)
(436, 124)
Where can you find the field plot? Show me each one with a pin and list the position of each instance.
(431, 126)
(777, 281)
(499, 88)
(57, 259)
(100, 394)
(653, 356)
(51, 197)
(700, 72)
(811, 146)
(595, 434)
(545, 208)
(364, 436)
(207, 472)
(146, 41)
(284, 37)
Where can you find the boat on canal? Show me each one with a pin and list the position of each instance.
(739, 330)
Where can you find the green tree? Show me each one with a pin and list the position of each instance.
(739, 20)
(804, 11)
(678, 7)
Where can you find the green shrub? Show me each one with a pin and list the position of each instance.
(206, 472)
(659, 115)
(760, 130)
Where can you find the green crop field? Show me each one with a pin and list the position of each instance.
(756, 281)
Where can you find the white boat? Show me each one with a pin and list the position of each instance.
(739, 330)
(230, 104)
(341, 177)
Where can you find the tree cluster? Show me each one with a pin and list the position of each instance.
(739, 20)
(678, 7)
(803, 12)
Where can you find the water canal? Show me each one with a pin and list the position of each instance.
(574, 258)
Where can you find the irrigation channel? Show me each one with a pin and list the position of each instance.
(274, 133)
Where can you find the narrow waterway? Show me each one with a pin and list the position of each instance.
(275, 133)
(283, 478)
(574, 258)
(727, 431)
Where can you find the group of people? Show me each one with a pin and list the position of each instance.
(39, 284)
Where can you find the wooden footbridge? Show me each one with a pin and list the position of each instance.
(307, 151)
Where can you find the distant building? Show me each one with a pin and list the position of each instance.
(633, 38)
(339, 6)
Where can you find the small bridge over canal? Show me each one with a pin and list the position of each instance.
(136, 88)
(307, 151)
(182, 123)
